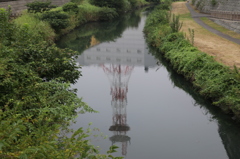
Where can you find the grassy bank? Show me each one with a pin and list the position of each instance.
(211, 79)
(77, 13)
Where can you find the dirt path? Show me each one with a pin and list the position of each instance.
(209, 41)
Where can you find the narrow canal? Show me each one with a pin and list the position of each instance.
(145, 108)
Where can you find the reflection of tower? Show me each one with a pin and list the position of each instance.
(119, 77)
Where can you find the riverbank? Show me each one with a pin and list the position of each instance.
(223, 51)
(211, 79)
(76, 14)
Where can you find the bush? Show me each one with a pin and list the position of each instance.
(155, 1)
(38, 6)
(37, 27)
(118, 4)
(133, 2)
(77, 1)
(56, 19)
(165, 6)
(107, 14)
(70, 7)
(175, 23)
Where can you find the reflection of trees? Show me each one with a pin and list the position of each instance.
(228, 129)
(80, 39)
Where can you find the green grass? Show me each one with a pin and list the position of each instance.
(36, 26)
(220, 28)
(185, 16)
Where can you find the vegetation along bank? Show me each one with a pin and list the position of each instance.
(36, 100)
(210, 78)
(57, 21)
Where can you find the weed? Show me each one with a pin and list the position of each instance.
(175, 24)
(191, 34)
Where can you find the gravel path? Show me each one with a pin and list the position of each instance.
(196, 16)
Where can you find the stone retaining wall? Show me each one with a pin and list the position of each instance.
(206, 6)
(19, 5)
(224, 12)
(230, 25)
(235, 16)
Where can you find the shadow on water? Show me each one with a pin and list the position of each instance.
(94, 33)
(228, 129)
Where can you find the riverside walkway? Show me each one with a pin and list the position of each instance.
(196, 17)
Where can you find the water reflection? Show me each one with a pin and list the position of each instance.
(119, 76)
(119, 53)
(105, 45)
(93, 33)
(118, 59)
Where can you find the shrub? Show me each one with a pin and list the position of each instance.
(155, 1)
(70, 7)
(118, 4)
(107, 14)
(38, 6)
(37, 27)
(165, 6)
(133, 2)
(77, 1)
(56, 19)
(175, 24)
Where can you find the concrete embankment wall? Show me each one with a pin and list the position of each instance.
(19, 5)
(224, 12)
(230, 25)
(206, 6)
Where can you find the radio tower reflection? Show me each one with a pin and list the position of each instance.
(119, 76)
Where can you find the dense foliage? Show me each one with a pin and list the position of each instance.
(119, 5)
(71, 15)
(212, 79)
(70, 7)
(38, 6)
(36, 102)
(56, 19)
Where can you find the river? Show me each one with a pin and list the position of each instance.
(145, 108)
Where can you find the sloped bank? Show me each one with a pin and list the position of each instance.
(211, 79)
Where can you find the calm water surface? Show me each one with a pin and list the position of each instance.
(144, 107)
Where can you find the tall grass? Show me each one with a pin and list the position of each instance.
(36, 26)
